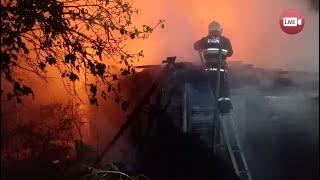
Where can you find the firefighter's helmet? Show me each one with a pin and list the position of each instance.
(215, 27)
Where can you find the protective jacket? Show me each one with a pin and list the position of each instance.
(214, 41)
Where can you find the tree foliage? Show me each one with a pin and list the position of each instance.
(81, 39)
(58, 126)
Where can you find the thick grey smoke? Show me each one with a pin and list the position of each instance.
(280, 134)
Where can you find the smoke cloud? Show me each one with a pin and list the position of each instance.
(252, 26)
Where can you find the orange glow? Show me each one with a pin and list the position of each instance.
(251, 25)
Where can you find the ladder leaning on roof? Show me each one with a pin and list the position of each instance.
(224, 135)
(218, 131)
(229, 133)
(230, 141)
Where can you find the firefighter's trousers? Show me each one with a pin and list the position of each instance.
(224, 97)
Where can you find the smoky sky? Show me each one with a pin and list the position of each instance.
(251, 25)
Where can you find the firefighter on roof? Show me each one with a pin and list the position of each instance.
(209, 47)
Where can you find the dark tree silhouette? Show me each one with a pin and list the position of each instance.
(79, 38)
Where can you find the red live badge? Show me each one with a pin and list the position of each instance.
(291, 21)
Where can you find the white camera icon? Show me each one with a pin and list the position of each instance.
(291, 21)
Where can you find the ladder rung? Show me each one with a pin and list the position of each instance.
(236, 150)
(233, 132)
(220, 145)
(243, 171)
